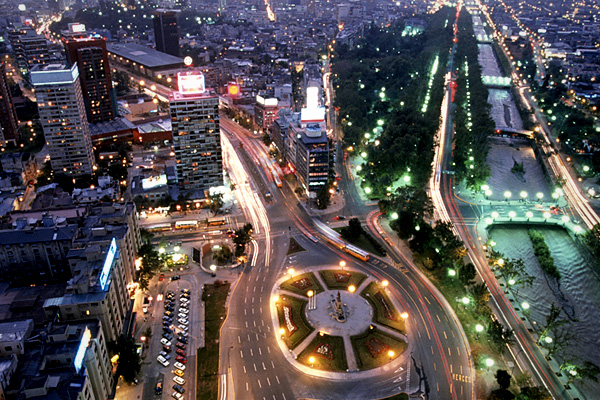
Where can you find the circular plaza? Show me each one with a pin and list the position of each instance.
(334, 320)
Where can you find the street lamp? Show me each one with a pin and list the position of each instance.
(394, 215)
(565, 218)
(310, 293)
(548, 339)
(176, 248)
(529, 214)
(342, 264)
(507, 194)
(489, 362)
(391, 354)
(161, 250)
(523, 195)
(282, 332)
(213, 268)
(352, 288)
(465, 300)
(495, 214)
(540, 196)
(385, 283)
(404, 315)
(547, 215)
(291, 271)
(479, 328)
(452, 272)
(276, 298)
(311, 360)
(512, 214)
(525, 305)
(488, 193)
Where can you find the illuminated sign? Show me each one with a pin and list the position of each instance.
(188, 61)
(312, 97)
(83, 345)
(233, 90)
(190, 82)
(110, 257)
(268, 102)
(154, 181)
(76, 27)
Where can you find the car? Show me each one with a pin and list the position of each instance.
(163, 361)
(180, 352)
(183, 311)
(179, 365)
(183, 327)
(164, 354)
(183, 307)
(165, 342)
(167, 336)
(178, 380)
(185, 290)
(175, 278)
(178, 372)
(184, 304)
(183, 321)
(180, 345)
(184, 299)
(166, 324)
(181, 359)
(161, 277)
(183, 334)
(182, 339)
(339, 217)
(177, 396)
(181, 316)
(169, 308)
(167, 318)
(178, 388)
(168, 313)
(167, 330)
(167, 349)
(159, 387)
(184, 296)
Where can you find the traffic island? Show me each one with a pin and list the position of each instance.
(334, 321)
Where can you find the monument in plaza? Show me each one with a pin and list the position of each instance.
(339, 311)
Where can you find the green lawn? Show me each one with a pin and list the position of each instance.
(294, 247)
(311, 284)
(387, 316)
(363, 242)
(298, 318)
(334, 361)
(208, 357)
(378, 339)
(353, 278)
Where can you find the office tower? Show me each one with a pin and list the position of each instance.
(196, 137)
(28, 47)
(9, 124)
(90, 54)
(166, 33)
(62, 116)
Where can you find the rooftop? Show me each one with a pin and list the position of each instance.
(11, 331)
(144, 55)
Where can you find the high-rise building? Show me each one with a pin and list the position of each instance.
(196, 136)
(28, 47)
(166, 33)
(9, 125)
(90, 54)
(62, 116)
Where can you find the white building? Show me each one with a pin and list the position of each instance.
(196, 136)
(63, 118)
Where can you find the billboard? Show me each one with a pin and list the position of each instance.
(83, 345)
(190, 82)
(108, 262)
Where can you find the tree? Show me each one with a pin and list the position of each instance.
(481, 295)
(146, 235)
(223, 255)
(242, 237)
(151, 263)
(503, 378)
(499, 336)
(553, 320)
(215, 202)
(353, 231)
(129, 363)
(585, 371)
(467, 274)
(412, 204)
(534, 393)
(323, 197)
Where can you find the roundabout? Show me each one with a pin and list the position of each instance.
(330, 322)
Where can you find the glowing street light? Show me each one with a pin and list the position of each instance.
(547, 215)
(540, 196)
(507, 194)
(489, 362)
(276, 298)
(548, 339)
(385, 283)
(523, 195)
(368, 190)
(452, 272)
(512, 214)
(404, 315)
(161, 250)
(391, 354)
(310, 293)
(291, 271)
(311, 360)
(465, 300)
(525, 305)
(395, 215)
(529, 214)
(479, 328)
(352, 288)
(342, 264)
(495, 214)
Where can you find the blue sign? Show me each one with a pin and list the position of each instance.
(83, 345)
(108, 262)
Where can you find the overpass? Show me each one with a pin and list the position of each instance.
(496, 81)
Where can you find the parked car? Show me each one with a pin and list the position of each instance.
(183, 327)
(175, 278)
(159, 386)
(178, 380)
(178, 372)
(177, 396)
(184, 311)
(183, 321)
(184, 334)
(165, 355)
(182, 315)
(167, 336)
(185, 290)
(182, 339)
(179, 365)
(181, 359)
(167, 349)
(180, 352)
(161, 277)
(165, 342)
(163, 361)
(168, 313)
(180, 345)
(178, 388)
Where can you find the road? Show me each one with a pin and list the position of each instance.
(249, 350)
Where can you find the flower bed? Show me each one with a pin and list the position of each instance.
(372, 347)
(328, 352)
(340, 280)
(302, 283)
(292, 320)
(384, 311)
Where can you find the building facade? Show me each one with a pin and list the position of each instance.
(166, 32)
(29, 48)
(9, 123)
(91, 57)
(196, 134)
(62, 116)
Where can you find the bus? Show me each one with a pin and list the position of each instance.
(276, 178)
(159, 228)
(215, 221)
(186, 224)
(356, 252)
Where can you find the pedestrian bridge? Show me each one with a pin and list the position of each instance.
(497, 81)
